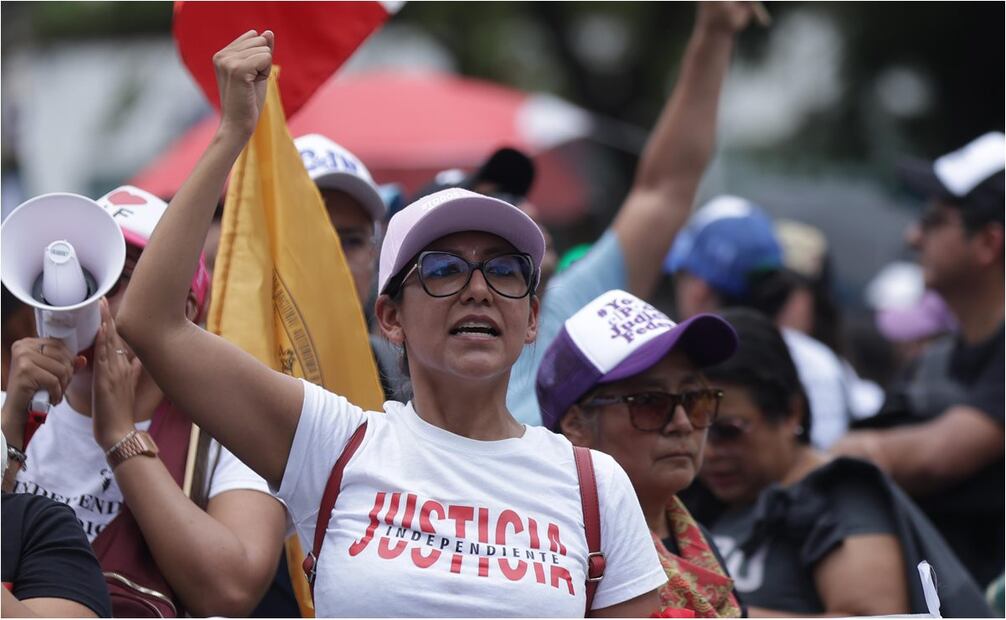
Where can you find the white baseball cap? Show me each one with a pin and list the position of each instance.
(331, 166)
(451, 211)
(137, 213)
(972, 175)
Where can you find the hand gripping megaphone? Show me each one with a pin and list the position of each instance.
(60, 254)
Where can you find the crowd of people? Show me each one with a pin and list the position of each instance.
(552, 443)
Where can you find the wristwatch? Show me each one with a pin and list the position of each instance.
(16, 455)
(135, 443)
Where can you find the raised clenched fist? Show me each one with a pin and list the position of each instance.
(242, 70)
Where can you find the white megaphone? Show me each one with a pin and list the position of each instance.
(60, 254)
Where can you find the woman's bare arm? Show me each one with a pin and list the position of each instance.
(640, 607)
(680, 147)
(865, 576)
(43, 608)
(247, 406)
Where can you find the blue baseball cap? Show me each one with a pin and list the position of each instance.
(726, 241)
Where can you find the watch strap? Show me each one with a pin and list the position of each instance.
(16, 455)
(135, 443)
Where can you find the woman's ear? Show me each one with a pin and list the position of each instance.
(389, 319)
(532, 320)
(579, 428)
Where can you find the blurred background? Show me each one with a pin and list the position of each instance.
(815, 113)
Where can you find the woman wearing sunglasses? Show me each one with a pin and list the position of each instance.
(624, 379)
(449, 507)
(803, 535)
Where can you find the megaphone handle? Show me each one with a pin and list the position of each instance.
(50, 324)
(39, 402)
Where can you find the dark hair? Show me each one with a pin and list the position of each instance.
(983, 205)
(393, 288)
(394, 292)
(767, 291)
(974, 220)
(9, 304)
(828, 323)
(762, 364)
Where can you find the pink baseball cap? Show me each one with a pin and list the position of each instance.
(137, 213)
(451, 211)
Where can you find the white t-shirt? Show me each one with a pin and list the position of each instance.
(823, 380)
(66, 464)
(429, 523)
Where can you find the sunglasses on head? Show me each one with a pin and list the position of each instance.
(652, 411)
(443, 274)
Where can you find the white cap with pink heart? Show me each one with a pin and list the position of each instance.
(137, 213)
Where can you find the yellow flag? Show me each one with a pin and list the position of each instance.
(281, 288)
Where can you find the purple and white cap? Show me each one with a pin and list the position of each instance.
(617, 336)
(451, 211)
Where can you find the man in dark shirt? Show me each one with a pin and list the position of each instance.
(945, 446)
(48, 566)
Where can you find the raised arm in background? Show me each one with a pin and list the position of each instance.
(248, 407)
(680, 147)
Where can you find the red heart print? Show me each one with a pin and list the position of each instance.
(125, 197)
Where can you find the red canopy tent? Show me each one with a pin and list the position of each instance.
(406, 127)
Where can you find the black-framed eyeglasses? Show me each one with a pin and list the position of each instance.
(730, 429)
(443, 274)
(652, 411)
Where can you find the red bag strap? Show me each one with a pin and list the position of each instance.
(121, 547)
(331, 494)
(591, 521)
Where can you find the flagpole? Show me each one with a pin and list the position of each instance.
(190, 461)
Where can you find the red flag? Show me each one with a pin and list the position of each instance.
(313, 39)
